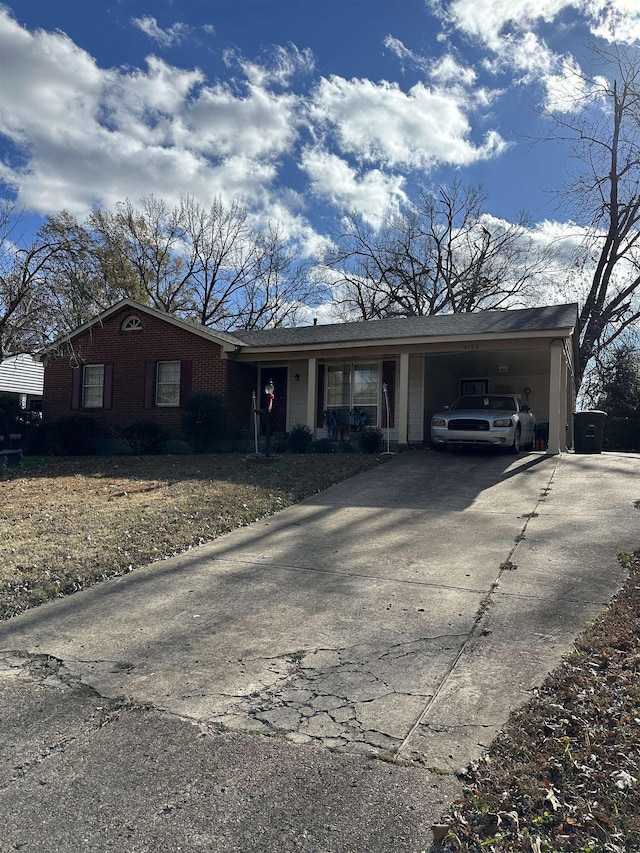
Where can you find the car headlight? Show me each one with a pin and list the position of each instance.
(438, 422)
(502, 422)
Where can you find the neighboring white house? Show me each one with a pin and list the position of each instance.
(24, 376)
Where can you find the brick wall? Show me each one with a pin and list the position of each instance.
(128, 352)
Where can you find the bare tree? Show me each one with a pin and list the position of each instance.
(88, 273)
(225, 257)
(280, 289)
(27, 313)
(604, 130)
(442, 255)
(208, 265)
(150, 241)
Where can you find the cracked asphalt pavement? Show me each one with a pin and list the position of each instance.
(236, 697)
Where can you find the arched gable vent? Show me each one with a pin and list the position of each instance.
(131, 324)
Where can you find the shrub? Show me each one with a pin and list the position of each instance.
(145, 437)
(323, 445)
(74, 435)
(203, 421)
(370, 440)
(300, 439)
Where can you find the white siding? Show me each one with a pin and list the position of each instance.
(21, 374)
(297, 402)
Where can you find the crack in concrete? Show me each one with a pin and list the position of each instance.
(344, 698)
(52, 674)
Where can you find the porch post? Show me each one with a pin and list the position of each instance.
(571, 407)
(564, 423)
(403, 400)
(555, 398)
(312, 383)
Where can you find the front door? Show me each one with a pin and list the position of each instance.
(277, 375)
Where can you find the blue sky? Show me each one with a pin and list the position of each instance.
(297, 108)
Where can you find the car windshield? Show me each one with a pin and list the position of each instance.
(485, 401)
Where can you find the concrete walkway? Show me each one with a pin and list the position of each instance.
(401, 614)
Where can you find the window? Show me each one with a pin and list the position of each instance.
(168, 383)
(338, 385)
(354, 386)
(93, 386)
(132, 324)
(474, 386)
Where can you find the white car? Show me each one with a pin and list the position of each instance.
(484, 419)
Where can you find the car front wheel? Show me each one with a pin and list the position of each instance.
(515, 447)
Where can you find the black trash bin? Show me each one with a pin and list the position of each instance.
(588, 431)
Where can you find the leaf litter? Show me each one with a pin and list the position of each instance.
(563, 774)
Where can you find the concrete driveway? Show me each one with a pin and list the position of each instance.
(402, 613)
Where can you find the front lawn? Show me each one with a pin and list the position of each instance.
(66, 522)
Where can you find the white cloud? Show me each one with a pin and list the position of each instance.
(404, 53)
(447, 70)
(165, 38)
(90, 135)
(371, 194)
(615, 20)
(277, 65)
(378, 122)
(221, 123)
(490, 20)
(444, 70)
(508, 29)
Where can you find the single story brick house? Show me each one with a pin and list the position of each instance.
(133, 363)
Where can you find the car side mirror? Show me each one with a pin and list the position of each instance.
(525, 409)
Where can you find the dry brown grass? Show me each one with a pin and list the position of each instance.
(67, 522)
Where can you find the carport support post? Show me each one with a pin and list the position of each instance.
(556, 402)
(312, 383)
(403, 400)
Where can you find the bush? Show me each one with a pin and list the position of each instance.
(323, 445)
(370, 440)
(145, 437)
(300, 439)
(203, 421)
(74, 435)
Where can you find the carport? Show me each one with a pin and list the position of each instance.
(541, 375)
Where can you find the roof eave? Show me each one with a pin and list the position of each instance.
(99, 319)
(386, 343)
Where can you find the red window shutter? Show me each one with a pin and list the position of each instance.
(107, 389)
(389, 379)
(149, 384)
(76, 387)
(185, 381)
(320, 397)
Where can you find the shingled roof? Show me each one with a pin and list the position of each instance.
(548, 318)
